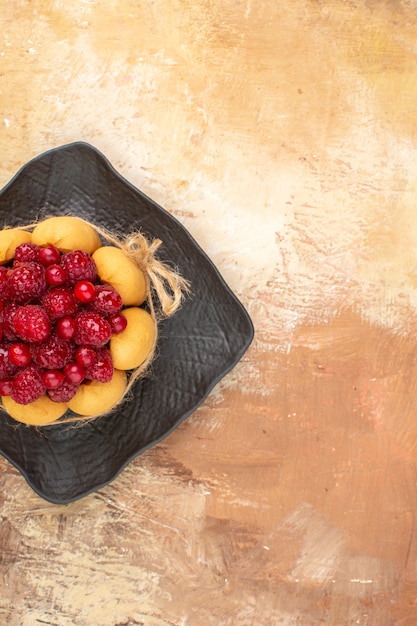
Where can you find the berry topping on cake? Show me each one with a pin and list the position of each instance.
(54, 324)
(71, 321)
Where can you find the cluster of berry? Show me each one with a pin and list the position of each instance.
(56, 322)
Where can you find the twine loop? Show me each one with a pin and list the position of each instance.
(167, 284)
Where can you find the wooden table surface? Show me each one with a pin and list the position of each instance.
(283, 136)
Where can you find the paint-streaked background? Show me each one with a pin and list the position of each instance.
(283, 136)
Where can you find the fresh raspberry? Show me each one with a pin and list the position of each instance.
(53, 353)
(118, 323)
(102, 370)
(26, 252)
(107, 301)
(20, 354)
(6, 316)
(26, 282)
(64, 393)
(6, 386)
(78, 266)
(31, 323)
(3, 282)
(28, 385)
(7, 368)
(92, 329)
(59, 302)
(49, 255)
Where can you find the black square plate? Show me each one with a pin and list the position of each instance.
(196, 347)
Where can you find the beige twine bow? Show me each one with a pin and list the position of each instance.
(168, 285)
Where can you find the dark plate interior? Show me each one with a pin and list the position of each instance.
(197, 346)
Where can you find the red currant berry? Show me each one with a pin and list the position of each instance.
(74, 373)
(84, 291)
(6, 385)
(86, 356)
(118, 322)
(20, 354)
(49, 255)
(55, 275)
(1, 305)
(66, 327)
(52, 379)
